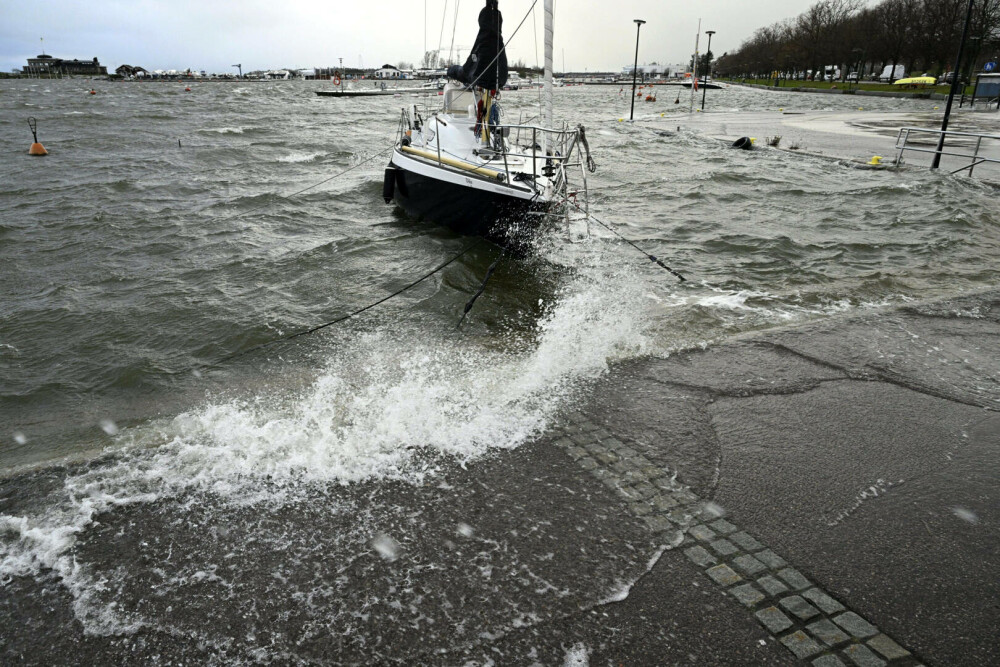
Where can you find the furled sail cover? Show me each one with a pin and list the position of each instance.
(486, 66)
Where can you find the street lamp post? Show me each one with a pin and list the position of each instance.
(708, 70)
(635, 67)
(954, 87)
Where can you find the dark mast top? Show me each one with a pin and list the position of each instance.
(486, 66)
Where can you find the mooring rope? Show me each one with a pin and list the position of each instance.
(314, 185)
(653, 258)
(359, 311)
(482, 287)
(368, 307)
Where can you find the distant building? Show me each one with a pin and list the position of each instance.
(655, 71)
(130, 71)
(388, 72)
(46, 65)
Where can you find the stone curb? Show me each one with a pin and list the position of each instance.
(807, 620)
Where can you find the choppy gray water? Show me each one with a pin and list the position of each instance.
(126, 267)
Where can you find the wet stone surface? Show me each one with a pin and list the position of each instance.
(638, 541)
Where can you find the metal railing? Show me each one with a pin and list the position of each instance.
(975, 159)
(561, 146)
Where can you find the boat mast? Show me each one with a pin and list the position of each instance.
(548, 121)
(694, 74)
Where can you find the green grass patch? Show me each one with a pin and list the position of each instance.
(839, 85)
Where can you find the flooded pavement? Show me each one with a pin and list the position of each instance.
(540, 486)
(857, 136)
(823, 491)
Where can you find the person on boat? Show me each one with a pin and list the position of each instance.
(486, 65)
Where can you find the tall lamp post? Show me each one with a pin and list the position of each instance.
(954, 87)
(635, 67)
(708, 70)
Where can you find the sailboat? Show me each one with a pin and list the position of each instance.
(459, 165)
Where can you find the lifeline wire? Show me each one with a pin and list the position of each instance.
(357, 312)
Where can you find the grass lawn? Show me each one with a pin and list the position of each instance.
(865, 85)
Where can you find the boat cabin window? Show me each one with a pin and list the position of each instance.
(458, 100)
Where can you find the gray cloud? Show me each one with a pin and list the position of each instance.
(165, 34)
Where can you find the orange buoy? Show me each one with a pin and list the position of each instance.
(36, 148)
(93, 92)
(187, 90)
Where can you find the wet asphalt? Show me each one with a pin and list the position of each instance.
(862, 450)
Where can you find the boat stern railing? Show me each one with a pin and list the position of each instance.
(552, 153)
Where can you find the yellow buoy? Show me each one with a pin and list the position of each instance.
(875, 161)
(36, 148)
(861, 108)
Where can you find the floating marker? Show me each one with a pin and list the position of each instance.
(187, 90)
(93, 92)
(36, 148)
(875, 161)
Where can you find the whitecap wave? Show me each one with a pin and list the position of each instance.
(381, 409)
(300, 157)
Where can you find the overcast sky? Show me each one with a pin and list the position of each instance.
(213, 34)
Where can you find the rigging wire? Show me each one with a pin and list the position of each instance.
(454, 29)
(534, 22)
(506, 44)
(444, 19)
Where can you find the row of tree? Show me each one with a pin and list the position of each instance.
(921, 35)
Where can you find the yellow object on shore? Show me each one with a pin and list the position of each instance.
(916, 81)
(875, 161)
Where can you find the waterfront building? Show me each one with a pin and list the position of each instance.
(45, 65)
(388, 72)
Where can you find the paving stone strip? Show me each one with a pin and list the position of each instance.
(804, 618)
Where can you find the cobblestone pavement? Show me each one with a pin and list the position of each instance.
(808, 621)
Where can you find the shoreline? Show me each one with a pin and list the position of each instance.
(845, 91)
(97, 452)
